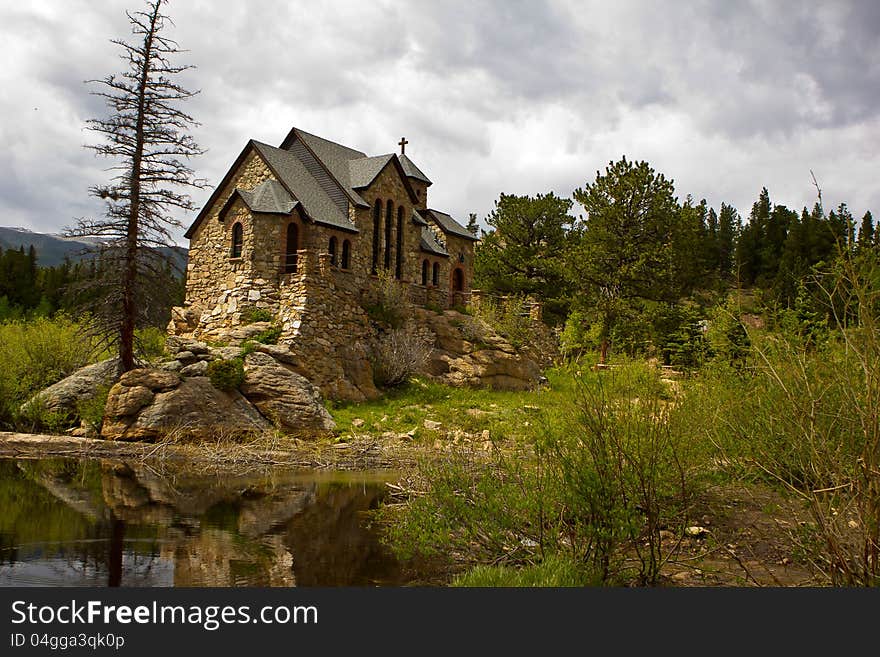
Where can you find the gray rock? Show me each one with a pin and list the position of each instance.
(127, 400)
(62, 397)
(280, 352)
(155, 380)
(194, 407)
(175, 344)
(284, 397)
(186, 356)
(227, 353)
(199, 368)
(171, 366)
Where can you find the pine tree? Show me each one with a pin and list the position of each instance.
(145, 135)
(523, 252)
(866, 232)
(624, 254)
(728, 232)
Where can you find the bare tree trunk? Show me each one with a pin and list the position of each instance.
(130, 276)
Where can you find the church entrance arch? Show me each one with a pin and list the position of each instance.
(457, 280)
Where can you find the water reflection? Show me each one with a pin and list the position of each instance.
(67, 522)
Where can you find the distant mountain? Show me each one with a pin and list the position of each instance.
(53, 249)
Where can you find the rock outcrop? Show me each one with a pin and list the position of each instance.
(467, 352)
(62, 397)
(284, 396)
(145, 405)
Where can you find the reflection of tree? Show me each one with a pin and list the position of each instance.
(114, 554)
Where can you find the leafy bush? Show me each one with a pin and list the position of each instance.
(150, 342)
(807, 419)
(253, 314)
(507, 317)
(269, 336)
(91, 409)
(35, 354)
(226, 374)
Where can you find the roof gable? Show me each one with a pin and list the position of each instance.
(268, 197)
(370, 168)
(449, 225)
(412, 171)
(429, 243)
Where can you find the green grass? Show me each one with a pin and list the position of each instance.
(553, 571)
(505, 414)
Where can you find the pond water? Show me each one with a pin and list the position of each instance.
(66, 522)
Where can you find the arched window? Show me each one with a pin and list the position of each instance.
(290, 248)
(377, 218)
(435, 277)
(424, 272)
(346, 254)
(398, 258)
(389, 218)
(237, 240)
(331, 249)
(458, 280)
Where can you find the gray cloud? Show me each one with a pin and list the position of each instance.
(514, 97)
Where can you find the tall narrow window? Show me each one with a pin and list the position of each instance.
(389, 218)
(398, 254)
(346, 254)
(290, 248)
(237, 240)
(331, 249)
(424, 272)
(377, 219)
(435, 278)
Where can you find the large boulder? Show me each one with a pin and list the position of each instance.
(283, 396)
(158, 403)
(62, 397)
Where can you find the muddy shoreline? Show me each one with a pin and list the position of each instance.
(361, 453)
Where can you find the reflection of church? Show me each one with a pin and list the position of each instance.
(144, 530)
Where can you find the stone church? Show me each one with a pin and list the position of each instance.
(302, 232)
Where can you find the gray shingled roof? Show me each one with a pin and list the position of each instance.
(336, 158)
(304, 187)
(412, 170)
(418, 219)
(364, 170)
(430, 243)
(269, 196)
(449, 225)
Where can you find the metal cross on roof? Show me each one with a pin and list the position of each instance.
(403, 142)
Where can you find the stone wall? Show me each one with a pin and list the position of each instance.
(210, 271)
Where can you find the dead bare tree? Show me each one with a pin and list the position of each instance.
(146, 135)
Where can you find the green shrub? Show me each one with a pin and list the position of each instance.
(253, 314)
(269, 336)
(226, 374)
(35, 354)
(150, 342)
(508, 318)
(91, 409)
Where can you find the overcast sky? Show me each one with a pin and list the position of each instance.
(494, 97)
